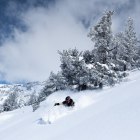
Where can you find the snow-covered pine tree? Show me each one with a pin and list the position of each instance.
(54, 83)
(120, 52)
(138, 57)
(89, 56)
(130, 43)
(1, 108)
(72, 69)
(11, 102)
(32, 99)
(78, 74)
(58, 80)
(127, 51)
(95, 78)
(101, 34)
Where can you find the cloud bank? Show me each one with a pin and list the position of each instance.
(31, 54)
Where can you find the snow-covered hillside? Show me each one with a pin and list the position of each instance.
(24, 90)
(109, 114)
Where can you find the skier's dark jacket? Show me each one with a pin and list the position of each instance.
(70, 103)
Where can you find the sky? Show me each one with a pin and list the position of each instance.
(32, 32)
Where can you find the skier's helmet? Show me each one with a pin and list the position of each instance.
(67, 98)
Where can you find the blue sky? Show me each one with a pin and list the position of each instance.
(32, 31)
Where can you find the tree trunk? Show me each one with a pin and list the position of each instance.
(101, 85)
(124, 67)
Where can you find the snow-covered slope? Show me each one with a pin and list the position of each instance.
(24, 90)
(108, 114)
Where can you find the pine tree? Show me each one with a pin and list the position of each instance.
(11, 102)
(138, 57)
(58, 80)
(120, 52)
(71, 66)
(32, 99)
(74, 69)
(89, 56)
(80, 75)
(130, 43)
(127, 51)
(1, 108)
(101, 34)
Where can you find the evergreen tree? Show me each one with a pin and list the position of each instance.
(89, 56)
(32, 99)
(73, 69)
(138, 57)
(101, 34)
(120, 54)
(1, 108)
(127, 51)
(11, 102)
(131, 43)
(80, 75)
(54, 83)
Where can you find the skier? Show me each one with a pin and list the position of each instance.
(68, 102)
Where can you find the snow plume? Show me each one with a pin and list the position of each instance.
(81, 99)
